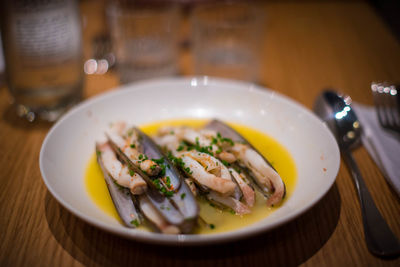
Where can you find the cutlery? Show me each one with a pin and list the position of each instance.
(386, 99)
(336, 111)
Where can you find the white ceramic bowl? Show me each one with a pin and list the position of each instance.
(70, 143)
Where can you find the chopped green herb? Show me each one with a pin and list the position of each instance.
(232, 211)
(161, 188)
(162, 172)
(170, 156)
(225, 163)
(98, 153)
(156, 182)
(132, 145)
(228, 140)
(180, 148)
(183, 195)
(179, 162)
(168, 181)
(212, 226)
(135, 222)
(131, 172)
(171, 132)
(158, 161)
(218, 151)
(152, 167)
(188, 171)
(141, 156)
(169, 193)
(203, 149)
(214, 140)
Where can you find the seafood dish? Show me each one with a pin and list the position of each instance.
(159, 180)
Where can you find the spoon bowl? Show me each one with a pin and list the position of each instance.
(341, 119)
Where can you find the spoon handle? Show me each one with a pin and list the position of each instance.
(380, 239)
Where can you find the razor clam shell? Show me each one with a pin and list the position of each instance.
(186, 205)
(130, 164)
(120, 196)
(158, 224)
(159, 201)
(167, 209)
(152, 151)
(228, 132)
(176, 211)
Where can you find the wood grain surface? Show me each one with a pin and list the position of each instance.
(308, 46)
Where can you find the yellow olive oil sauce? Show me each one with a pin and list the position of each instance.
(221, 220)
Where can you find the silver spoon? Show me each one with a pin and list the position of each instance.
(336, 111)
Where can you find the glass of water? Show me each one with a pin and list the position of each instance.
(43, 53)
(144, 40)
(227, 40)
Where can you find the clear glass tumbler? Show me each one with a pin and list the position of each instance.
(145, 38)
(43, 53)
(227, 40)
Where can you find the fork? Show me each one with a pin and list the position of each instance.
(386, 99)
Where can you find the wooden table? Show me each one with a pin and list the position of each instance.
(308, 46)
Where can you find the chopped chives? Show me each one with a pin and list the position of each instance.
(135, 222)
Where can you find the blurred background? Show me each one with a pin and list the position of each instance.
(121, 41)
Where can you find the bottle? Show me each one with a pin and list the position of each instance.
(42, 46)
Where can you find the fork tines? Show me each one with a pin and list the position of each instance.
(386, 99)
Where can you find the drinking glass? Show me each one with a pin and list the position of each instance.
(43, 53)
(227, 40)
(144, 40)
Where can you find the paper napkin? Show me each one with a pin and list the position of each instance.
(383, 145)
